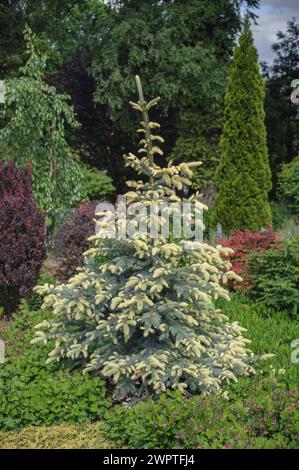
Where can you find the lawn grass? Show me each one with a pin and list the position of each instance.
(269, 332)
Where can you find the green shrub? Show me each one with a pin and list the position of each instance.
(289, 186)
(32, 393)
(260, 414)
(96, 184)
(274, 276)
(280, 215)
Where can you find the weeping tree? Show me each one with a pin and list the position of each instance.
(145, 318)
(243, 176)
(35, 118)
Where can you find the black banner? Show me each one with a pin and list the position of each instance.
(127, 458)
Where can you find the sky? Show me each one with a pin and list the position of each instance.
(273, 16)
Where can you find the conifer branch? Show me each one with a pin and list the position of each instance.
(146, 124)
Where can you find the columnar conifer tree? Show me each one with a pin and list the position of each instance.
(243, 177)
(146, 318)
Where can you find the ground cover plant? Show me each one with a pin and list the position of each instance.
(34, 394)
(258, 412)
(267, 418)
(67, 436)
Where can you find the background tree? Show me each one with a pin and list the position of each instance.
(115, 40)
(36, 117)
(195, 39)
(11, 38)
(282, 119)
(56, 24)
(288, 186)
(243, 176)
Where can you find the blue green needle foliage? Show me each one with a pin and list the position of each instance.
(145, 318)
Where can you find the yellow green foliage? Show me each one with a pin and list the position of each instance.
(87, 436)
(146, 319)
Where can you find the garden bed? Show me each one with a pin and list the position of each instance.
(260, 411)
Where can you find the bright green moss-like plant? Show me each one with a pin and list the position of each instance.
(145, 319)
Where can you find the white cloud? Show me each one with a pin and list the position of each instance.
(273, 17)
(281, 4)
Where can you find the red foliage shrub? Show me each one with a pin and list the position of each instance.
(22, 236)
(70, 241)
(244, 243)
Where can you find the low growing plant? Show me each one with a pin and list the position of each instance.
(274, 276)
(263, 414)
(63, 436)
(33, 394)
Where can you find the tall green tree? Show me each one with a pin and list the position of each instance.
(183, 49)
(95, 47)
(66, 31)
(35, 119)
(11, 37)
(243, 176)
(62, 27)
(282, 119)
